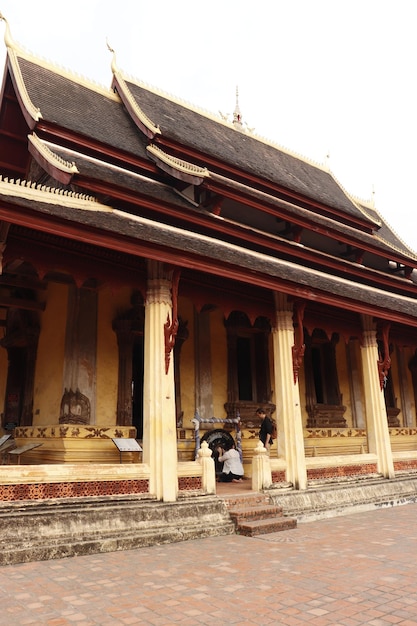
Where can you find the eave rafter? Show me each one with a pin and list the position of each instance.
(272, 205)
(401, 268)
(204, 222)
(195, 261)
(353, 253)
(178, 168)
(263, 185)
(53, 164)
(141, 120)
(291, 231)
(80, 143)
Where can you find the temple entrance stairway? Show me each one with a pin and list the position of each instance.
(38, 530)
(253, 514)
(335, 497)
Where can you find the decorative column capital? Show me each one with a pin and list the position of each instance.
(158, 291)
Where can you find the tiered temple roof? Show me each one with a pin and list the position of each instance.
(188, 187)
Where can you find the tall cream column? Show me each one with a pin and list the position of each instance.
(159, 423)
(376, 412)
(287, 396)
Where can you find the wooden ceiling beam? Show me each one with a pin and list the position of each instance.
(24, 282)
(20, 303)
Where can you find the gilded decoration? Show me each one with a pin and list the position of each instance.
(68, 431)
(325, 433)
(75, 408)
(398, 432)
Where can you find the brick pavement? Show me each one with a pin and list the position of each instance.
(351, 570)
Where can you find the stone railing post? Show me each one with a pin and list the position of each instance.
(208, 467)
(261, 469)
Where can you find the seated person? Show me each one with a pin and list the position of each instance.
(232, 465)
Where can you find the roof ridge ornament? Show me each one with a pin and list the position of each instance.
(139, 116)
(31, 110)
(237, 115)
(185, 167)
(114, 67)
(8, 39)
(52, 157)
(237, 118)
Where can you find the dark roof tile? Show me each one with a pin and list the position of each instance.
(249, 153)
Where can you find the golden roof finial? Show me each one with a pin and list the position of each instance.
(237, 116)
(8, 40)
(114, 67)
(373, 197)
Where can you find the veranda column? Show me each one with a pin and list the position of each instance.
(159, 424)
(376, 413)
(287, 396)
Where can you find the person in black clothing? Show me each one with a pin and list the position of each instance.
(265, 433)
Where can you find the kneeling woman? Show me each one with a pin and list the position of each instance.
(232, 465)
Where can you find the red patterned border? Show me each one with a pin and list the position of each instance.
(187, 483)
(343, 470)
(44, 491)
(410, 464)
(278, 476)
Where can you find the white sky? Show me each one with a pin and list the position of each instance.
(316, 76)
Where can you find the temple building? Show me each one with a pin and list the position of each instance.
(164, 272)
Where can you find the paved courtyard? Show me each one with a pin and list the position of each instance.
(351, 570)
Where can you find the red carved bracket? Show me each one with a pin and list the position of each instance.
(385, 363)
(171, 328)
(299, 347)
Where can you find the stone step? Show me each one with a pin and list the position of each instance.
(246, 500)
(50, 529)
(253, 528)
(264, 511)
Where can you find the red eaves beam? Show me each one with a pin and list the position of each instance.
(23, 217)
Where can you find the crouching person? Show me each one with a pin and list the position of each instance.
(232, 465)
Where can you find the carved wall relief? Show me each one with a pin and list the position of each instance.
(75, 408)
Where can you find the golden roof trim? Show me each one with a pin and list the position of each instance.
(16, 50)
(12, 50)
(222, 119)
(50, 156)
(64, 197)
(359, 203)
(394, 232)
(178, 164)
(141, 115)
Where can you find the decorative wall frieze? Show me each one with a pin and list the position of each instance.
(71, 431)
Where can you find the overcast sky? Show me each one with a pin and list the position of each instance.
(318, 77)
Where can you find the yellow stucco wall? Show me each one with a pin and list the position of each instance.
(343, 375)
(50, 358)
(187, 363)
(302, 389)
(218, 347)
(218, 363)
(109, 306)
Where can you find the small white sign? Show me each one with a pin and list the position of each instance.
(4, 439)
(127, 445)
